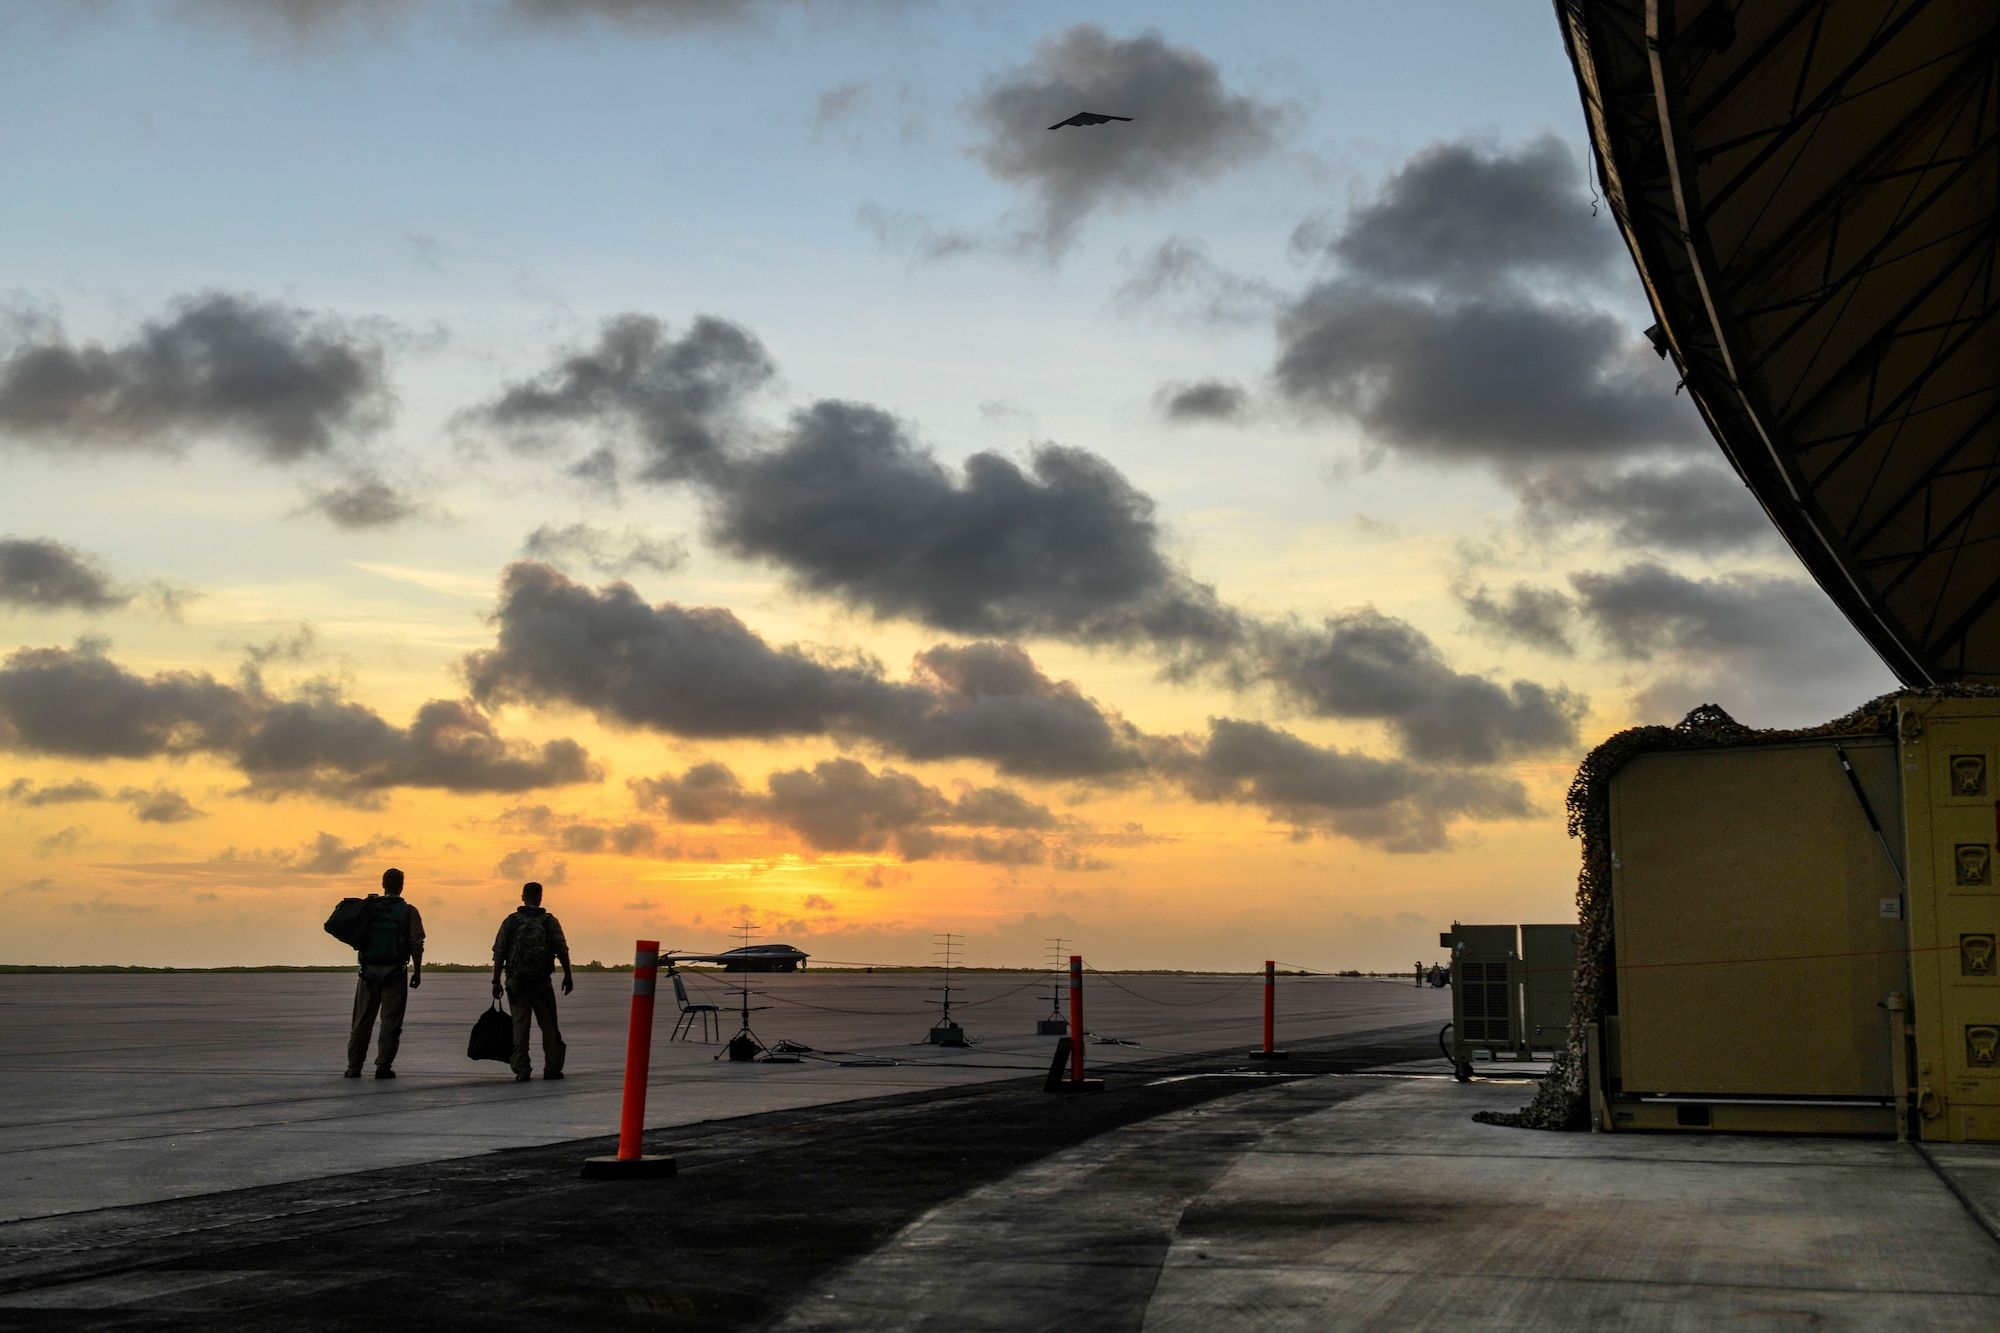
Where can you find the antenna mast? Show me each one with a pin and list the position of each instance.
(946, 1032)
(1055, 1025)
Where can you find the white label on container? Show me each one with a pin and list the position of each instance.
(1892, 909)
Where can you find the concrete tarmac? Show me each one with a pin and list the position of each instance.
(123, 1089)
(1320, 1204)
(1347, 1192)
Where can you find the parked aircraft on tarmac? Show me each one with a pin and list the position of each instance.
(750, 958)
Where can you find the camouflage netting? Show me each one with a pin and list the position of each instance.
(1562, 1102)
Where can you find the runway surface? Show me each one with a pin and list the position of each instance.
(120, 1090)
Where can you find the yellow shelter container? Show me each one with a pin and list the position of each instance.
(1780, 908)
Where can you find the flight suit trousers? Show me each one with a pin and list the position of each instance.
(384, 992)
(535, 996)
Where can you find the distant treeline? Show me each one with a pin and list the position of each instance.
(108, 969)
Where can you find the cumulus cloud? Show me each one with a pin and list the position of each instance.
(613, 554)
(1364, 664)
(1464, 326)
(326, 854)
(1510, 379)
(676, 394)
(649, 16)
(583, 836)
(1774, 651)
(43, 575)
(1202, 400)
(700, 672)
(526, 864)
(1462, 213)
(298, 21)
(160, 805)
(363, 501)
(1691, 506)
(848, 504)
(840, 805)
(1187, 127)
(23, 791)
(1538, 617)
(278, 381)
(1395, 805)
(295, 25)
(77, 702)
(62, 842)
(1178, 275)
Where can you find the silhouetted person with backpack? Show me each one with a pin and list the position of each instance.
(528, 947)
(392, 935)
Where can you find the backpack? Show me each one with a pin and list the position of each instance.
(349, 922)
(531, 953)
(382, 941)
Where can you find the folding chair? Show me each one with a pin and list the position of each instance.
(709, 1014)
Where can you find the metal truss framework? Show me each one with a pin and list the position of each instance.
(1809, 190)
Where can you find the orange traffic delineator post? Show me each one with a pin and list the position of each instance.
(1270, 1015)
(632, 1162)
(1070, 1048)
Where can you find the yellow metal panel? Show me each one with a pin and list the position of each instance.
(1757, 922)
(1949, 751)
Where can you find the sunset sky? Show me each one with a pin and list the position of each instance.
(730, 459)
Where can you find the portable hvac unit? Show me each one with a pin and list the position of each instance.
(1510, 989)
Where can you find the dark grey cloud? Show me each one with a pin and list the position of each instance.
(1395, 805)
(677, 395)
(79, 703)
(1700, 507)
(1538, 617)
(1509, 379)
(840, 805)
(584, 836)
(1465, 326)
(24, 791)
(613, 554)
(160, 805)
(848, 504)
(526, 864)
(45, 575)
(1187, 127)
(651, 16)
(1471, 213)
(1774, 651)
(299, 21)
(1203, 400)
(62, 842)
(363, 502)
(1364, 664)
(1177, 275)
(294, 25)
(700, 672)
(329, 854)
(279, 381)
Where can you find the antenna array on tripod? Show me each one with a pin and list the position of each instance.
(947, 950)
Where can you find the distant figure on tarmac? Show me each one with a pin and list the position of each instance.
(528, 947)
(1420, 974)
(393, 936)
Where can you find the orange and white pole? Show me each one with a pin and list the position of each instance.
(632, 1159)
(1270, 1005)
(1270, 1051)
(638, 1050)
(1076, 1018)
